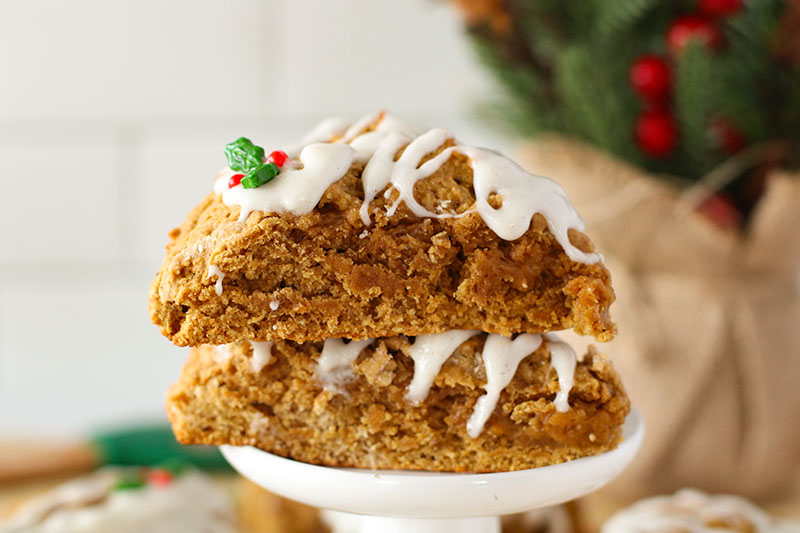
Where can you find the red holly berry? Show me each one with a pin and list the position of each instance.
(278, 157)
(719, 209)
(689, 27)
(235, 180)
(159, 477)
(719, 8)
(656, 133)
(727, 135)
(651, 78)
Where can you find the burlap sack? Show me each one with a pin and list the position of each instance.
(709, 322)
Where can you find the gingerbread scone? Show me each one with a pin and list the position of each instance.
(384, 232)
(458, 401)
(386, 299)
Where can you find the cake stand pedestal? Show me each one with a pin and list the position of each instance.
(369, 501)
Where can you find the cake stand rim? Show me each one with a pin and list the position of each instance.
(410, 494)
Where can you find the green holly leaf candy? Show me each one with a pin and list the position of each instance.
(259, 176)
(130, 481)
(243, 155)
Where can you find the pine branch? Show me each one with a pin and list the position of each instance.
(594, 105)
(614, 16)
(696, 91)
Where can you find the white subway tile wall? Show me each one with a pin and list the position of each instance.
(113, 115)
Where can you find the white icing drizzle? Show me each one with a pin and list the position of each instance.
(522, 194)
(429, 353)
(293, 190)
(378, 172)
(322, 133)
(367, 144)
(214, 270)
(222, 353)
(563, 360)
(262, 355)
(406, 171)
(358, 127)
(326, 130)
(691, 511)
(501, 356)
(335, 364)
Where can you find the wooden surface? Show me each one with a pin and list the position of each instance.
(21, 460)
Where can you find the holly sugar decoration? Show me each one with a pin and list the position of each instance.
(243, 155)
(248, 159)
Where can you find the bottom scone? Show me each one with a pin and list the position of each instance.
(460, 401)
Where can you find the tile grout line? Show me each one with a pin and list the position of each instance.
(129, 191)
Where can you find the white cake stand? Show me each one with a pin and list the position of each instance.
(370, 501)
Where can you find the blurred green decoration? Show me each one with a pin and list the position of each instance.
(152, 445)
(674, 86)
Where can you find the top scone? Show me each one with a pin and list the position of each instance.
(382, 230)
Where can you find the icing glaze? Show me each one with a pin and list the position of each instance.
(222, 353)
(429, 352)
(299, 190)
(214, 270)
(692, 511)
(293, 190)
(326, 130)
(501, 357)
(367, 144)
(563, 360)
(335, 364)
(262, 355)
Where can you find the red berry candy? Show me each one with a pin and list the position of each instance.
(278, 157)
(719, 8)
(235, 180)
(689, 27)
(656, 133)
(159, 477)
(727, 135)
(651, 78)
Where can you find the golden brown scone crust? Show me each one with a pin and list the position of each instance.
(334, 277)
(219, 399)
